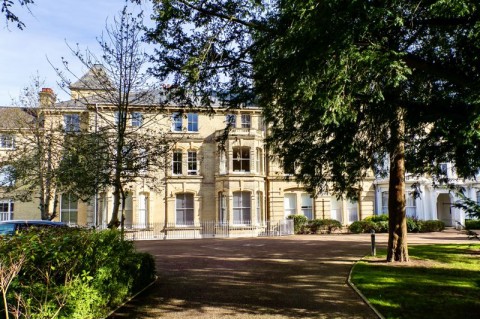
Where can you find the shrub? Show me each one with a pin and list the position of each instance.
(80, 273)
(472, 224)
(356, 227)
(413, 226)
(381, 226)
(324, 226)
(298, 223)
(432, 226)
(377, 218)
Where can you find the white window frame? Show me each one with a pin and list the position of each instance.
(222, 208)
(290, 204)
(352, 210)
(241, 163)
(7, 141)
(192, 163)
(184, 214)
(242, 208)
(143, 210)
(384, 202)
(69, 209)
(7, 207)
(137, 119)
(410, 205)
(177, 122)
(307, 205)
(246, 120)
(71, 122)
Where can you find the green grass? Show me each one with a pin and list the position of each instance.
(447, 285)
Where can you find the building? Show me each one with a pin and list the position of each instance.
(233, 182)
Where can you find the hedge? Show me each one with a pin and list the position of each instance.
(380, 225)
(472, 224)
(73, 273)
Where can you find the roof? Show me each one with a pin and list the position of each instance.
(95, 79)
(16, 117)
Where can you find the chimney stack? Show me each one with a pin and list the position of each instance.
(47, 97)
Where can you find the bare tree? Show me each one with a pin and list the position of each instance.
(30, 167)
(118, 89)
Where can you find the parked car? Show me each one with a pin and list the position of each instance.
(9, 227)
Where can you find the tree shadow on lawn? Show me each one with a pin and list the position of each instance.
(251, 278)
(424, 292)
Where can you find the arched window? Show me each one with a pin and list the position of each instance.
(241, 208)
(184, 209)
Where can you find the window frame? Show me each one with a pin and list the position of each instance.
(137, 119)
(192, 163)
(242, 208)
(241, 164)
(177, 162)
(231, 120)
(71, 122)
(187, 212)
(7, 208)
(246, 121)
(66, 213)
(7, 141)
(177, 122)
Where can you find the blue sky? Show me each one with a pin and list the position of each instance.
(52, 23)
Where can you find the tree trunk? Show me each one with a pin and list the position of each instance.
(397, 233)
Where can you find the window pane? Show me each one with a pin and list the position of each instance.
(177, 163)
(192, 122)
(176, 122)
(246, 121)
(137, 119)
(192, 163)
(184, 209)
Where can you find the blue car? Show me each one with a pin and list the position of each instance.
(9, 227)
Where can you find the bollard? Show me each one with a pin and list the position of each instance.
(374, 250)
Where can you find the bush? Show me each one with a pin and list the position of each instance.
(413, 225)
(431, 226)
(356, 227)
(80, 273)
(323, 226)
(377, 218)
(472, 224)
(298, 223)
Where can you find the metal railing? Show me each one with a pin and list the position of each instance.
(205, 229)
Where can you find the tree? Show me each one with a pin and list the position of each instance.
(116, 88)
(31, 167)
(343, 84)
(10, 15)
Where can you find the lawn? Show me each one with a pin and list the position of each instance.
(441, 281)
